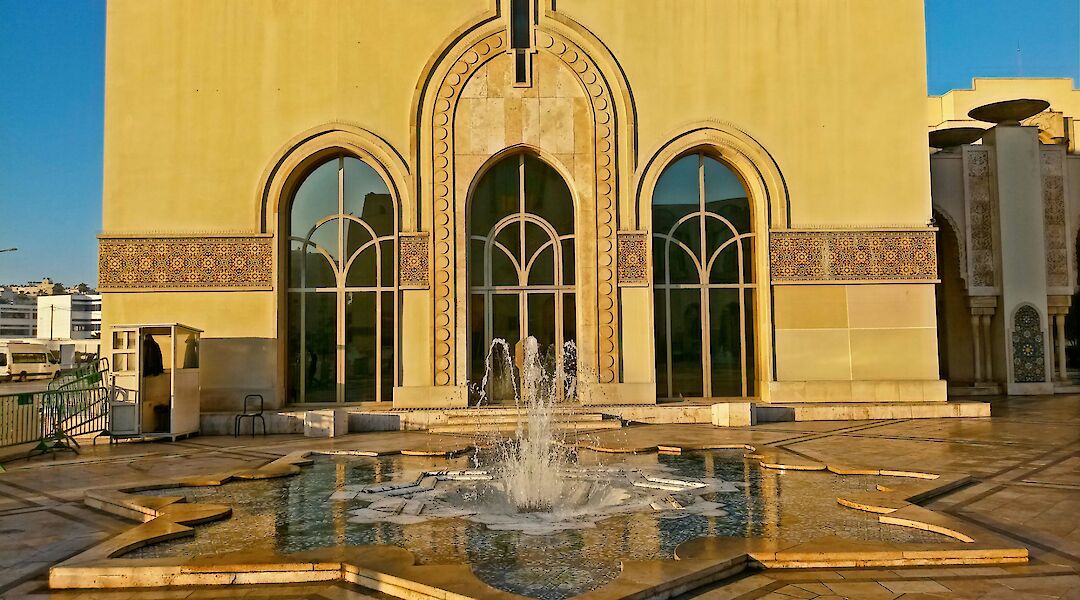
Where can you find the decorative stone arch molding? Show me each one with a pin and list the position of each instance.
(441, 191)
(959, 234)
(757, 168)
(293, 158)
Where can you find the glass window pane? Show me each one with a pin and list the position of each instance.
(542, 271)
(689, 234)
(503, 271)
(495, 197)
(717, 232)
(681, 267)
(313, 269)
(660, 306)
(505, 316)
(547, 195)
(535, 237)
(325, 237)
(676, 193)
(320, 346)
(685, 331)
(317, 197)
(541, 324)
(366, 196)
(389, 262)
(725, 331)
(478, 344)
(748, 259)
(510, 237)
(362, 272)
(725, 268)
(568, 262)
(387, 332)
(748, 338)
(355, 235)
(725, 194)
(294, 333)
(476, 263)
(569, 337)
(361, 362)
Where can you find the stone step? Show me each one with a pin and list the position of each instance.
(503, 417)
(859, 411)
(511, 427)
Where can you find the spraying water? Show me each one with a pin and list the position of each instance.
(530, 463)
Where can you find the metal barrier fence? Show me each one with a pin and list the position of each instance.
(83, 376)
(78, 406)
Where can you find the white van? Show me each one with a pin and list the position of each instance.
(23, 360)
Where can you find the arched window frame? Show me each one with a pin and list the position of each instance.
(384, 283)
(562, 287)
(704, 260)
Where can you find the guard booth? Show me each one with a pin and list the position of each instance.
(155, 370)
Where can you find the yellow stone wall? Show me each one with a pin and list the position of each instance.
(202, 95)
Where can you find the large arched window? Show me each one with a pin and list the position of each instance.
(521, 261)
(342, 296)
(703, 247)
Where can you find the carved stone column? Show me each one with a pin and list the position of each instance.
(982, 315)
(1058, 307)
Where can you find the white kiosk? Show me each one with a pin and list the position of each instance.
(155, 370)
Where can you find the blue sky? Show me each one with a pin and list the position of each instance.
(51, 108)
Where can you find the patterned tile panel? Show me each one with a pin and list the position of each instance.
(633, 259)
(857, 255)
(413, 257)
(163, 263)
(1029, 356)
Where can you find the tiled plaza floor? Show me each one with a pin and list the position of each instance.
(1026, 460)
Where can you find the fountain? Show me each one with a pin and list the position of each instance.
(530, 462)
(527, 512)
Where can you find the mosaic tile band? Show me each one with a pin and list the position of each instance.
(836, 256)
(185, 263)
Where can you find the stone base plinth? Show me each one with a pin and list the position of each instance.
(331, 422)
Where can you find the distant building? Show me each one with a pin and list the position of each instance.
(45, 287)
(18, 316)
(69, 317)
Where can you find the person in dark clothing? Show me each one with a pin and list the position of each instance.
(152, 361)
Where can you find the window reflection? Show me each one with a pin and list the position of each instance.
(703, 281)
(342, 297)
(521, 266)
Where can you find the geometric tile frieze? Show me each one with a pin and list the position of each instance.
(167, 263)
(853, 256)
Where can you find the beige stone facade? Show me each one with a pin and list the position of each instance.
(218, 113)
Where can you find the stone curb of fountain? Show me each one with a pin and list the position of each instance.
(393, 570)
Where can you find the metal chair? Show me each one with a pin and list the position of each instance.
(250, 414)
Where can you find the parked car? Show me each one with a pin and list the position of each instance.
(23, 360)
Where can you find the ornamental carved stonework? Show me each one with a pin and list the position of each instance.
(413, 256)
(448, 92)
(1029, 356)
(839, 256)
(603, 106)
(978, 197)
(633, 259)
(164, 263)
(1055, 227)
